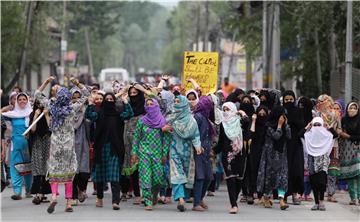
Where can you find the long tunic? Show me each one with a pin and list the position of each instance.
(19, 149)
(40, 154)
(295, 152)
(82, 149)
(182, 165)
(236, 168)
(273, 169)
(350, 154)
(109, 167)
(129, 131)
(150, 145)
(62, 163)
(203, 167)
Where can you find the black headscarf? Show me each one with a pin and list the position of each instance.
(260, 124)
(248, 108)
(234, 96)
(137, 102)
(42, 127)
(307, 109)
(268, 102)
(272, 122)
(351, 125)
(109, 128)
(293, 113)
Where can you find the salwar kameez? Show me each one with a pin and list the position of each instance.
(150, 145)
(182, 164)
(19, 154)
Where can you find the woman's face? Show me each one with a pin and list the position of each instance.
(246, 100)
(192, 99)
(289, 99)
(133, 92)
(99, 98)
(22, 101)
(149, 102)
(262, 98)
(109, 98)
(13, 100)
(262, 113)
(75, 96)
(226, 109)
(353, 110)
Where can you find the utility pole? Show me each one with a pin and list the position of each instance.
(197, 11)
(348, 62)
(275, 50)
(63, 46)
(232, 53)
(248, 56)
(264, 46)
(89, 55)
(318, 62)
(206, 32)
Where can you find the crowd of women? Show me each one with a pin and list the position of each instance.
(162, 143)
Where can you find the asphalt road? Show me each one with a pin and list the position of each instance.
(24, 210)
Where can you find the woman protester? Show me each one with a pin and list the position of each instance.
(62, 163)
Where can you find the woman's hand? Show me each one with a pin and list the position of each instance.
(167, 128)
(134, 160)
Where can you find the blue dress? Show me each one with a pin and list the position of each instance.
(19, 154)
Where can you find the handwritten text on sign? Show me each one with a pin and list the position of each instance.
(203, 68)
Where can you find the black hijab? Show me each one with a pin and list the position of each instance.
(307, 107)
(260, 125)
(109, 129)
(268, 102)
(137, 102)
(234, 96)
(272, 122)
(351, 125)
(42, 127)
(293, 113)
(248, 108)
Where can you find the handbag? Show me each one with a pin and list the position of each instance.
(24, 168)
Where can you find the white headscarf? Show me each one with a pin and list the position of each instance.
(217, 111)
(318, 140)
(232, 128)
(18, 112)
(257, 101)
(196, 95)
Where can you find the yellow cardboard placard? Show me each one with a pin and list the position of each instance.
(203, 68)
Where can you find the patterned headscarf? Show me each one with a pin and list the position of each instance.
(182, 121)
(60, 108)
(232, 128)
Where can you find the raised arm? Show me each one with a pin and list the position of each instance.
(40, 96)
(84, 95)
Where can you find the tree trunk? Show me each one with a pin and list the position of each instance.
(197, 27)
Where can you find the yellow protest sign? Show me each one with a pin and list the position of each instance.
(203, 68)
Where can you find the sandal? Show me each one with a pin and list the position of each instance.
(322, 207)
(115, 206)
(36, 200)
(233, 210)
(181, 207)
(51, 207)
(69, 209)
(332, 199)
(137, 201)
(99, 202)
(149, 208)
(16, 197)
(353, 202)
(82, 197)
(315, 207)
(204, 205)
